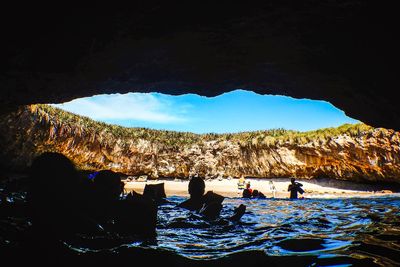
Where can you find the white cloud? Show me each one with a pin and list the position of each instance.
(131, 106)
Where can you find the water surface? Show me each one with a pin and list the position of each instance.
(319, 227)
(326, 229)
(330, 232)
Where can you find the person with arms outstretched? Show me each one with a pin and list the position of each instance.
(295, 188)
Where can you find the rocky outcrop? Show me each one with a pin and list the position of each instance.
(342, 51)
(356, 153)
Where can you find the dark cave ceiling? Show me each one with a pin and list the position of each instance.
(345, 52)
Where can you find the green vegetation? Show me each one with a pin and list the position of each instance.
(274, 137)
(87, 127)
(83, 126)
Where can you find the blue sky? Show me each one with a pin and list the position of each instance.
(235, 111)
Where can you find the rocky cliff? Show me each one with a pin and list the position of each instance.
(350, 152)
(343, 51)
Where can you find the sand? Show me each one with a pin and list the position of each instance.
(229, 188)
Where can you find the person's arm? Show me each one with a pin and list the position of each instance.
(184, 204)
(211, 197)
(299, 189)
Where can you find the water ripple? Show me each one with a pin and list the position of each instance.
(319, 227)
(328, 230)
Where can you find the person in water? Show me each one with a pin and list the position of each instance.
(62, 202)
(209, 205)
(295, 188)
(133, 214)
(257, 194)
(248, 192)
(58, 197)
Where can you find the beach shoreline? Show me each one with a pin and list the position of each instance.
(229, 188)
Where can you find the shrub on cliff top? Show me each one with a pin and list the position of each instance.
(172, 139)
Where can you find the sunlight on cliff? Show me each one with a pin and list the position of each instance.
(355, 152)
(234, 134)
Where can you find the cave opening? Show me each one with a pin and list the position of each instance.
(231, 112)
(344, 166)
(240, 132)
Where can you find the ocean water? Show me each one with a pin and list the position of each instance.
(309, 232)
(282, 227)
(325, 228)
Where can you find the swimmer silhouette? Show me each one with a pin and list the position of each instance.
(295, 188)
(248, 192)
(57, 196)
(133, 215)
(208, 205)
(63, 203)
(258, 194)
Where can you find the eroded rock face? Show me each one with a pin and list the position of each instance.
(363, 154)
(342, 51)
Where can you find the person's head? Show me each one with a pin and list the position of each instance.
(52, 172)
(255, 193)
(248, 185)
(54, 194)
(293, 180)
(155, 192)
(196, 187)
(108, 185)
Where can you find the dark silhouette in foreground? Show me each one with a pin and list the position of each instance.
(295, 188)
(18, 249)
(57, 197)
(209, 205)
(63, 203)
(133, 215)
(155, 192)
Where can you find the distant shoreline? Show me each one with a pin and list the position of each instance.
(314, 188)
(229, 188)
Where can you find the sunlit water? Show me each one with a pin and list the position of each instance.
(355, 228)
(284, 227)
(359, 228)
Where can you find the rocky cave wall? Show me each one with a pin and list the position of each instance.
(342, 51)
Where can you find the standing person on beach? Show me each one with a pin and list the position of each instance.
(241, 183)
(272, 188)
(295, 187)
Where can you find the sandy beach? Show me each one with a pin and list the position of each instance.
(229, 188)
